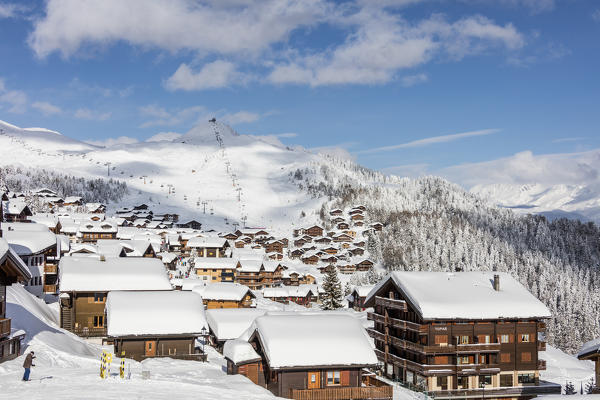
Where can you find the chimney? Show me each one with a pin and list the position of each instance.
(496, 282)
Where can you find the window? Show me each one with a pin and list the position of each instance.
(526, 356)
(462, 382)
(484, 339)
(440, 360)
(505, 338)
(214, 278)
(485, 379)
(526, 378)
(463, 340)
(172, 352)
(504, 357)
(333, 378)
(442, 381)
(462, 360)
(524, 337)
(441, 339)
(98, 321)
(98, 297)
(506, 380)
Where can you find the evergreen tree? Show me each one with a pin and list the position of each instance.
(589, 387)
(570, 388)
(333, 296)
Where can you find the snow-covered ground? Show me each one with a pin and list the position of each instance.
(562, 368)
(67, 366)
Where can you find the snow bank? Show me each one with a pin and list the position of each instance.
(94, 275)
(311, 340)
(562, 367)
(154, 313)
(466, 295)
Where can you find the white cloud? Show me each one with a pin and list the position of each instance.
(568, 139)
(11, 10)
(46, 108)
(86, 113)
(240, 117)
(213, 75)
(287, 135)
(431, 140)
(525, 167)
(240, 27)
(160, 116)
(164, 137)
(16, 100)
(596, 15)
(384, 43)
(109, 142)
(412, 80)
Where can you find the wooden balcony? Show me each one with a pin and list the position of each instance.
(50, 269)
(541, 365)
(498, 392)
(50, 289)
(541, 326)
(90, 332)
(391, 303)
(4, 327)
(397, 323)
(541, 346)
(344, 393)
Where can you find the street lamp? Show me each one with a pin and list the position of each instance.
(203, 332)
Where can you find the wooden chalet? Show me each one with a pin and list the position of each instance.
(229, 324)
(355, 211)
(191, 224)
(212, 269)
(336, 212)
(91, 231)
(323, 240)
(314, 231)
(356, 299)
(343, 225)
(377, 226)
(15, 211)
(297, 253)
(12, 270)
(364, 265)
(334, 353)
(591, 351)
(208, 247)
(225, 295)
(291, 278)
(457, 335)
(310, 259)
(250, 273)
(274, 246)
(85, 283)
(155, 324)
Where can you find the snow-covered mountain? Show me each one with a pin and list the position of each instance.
(553, 201)
(237, 177)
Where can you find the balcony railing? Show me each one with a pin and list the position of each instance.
(541, 365)
(50, 269)
(90, 332)
(343, 393)
(4, 327)
(541, 346)
(517, 391)
(397, 323)
(391, 303)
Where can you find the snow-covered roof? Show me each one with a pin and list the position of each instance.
(275, 292)
(72, 199)
(215, 262)
(313, 340)
(230, 323)
(6, 252)
(465, 295)
(206, 242)
(222, 291)
(14, 207)
(250, 265)
(590, 348)
(26, 242)
(98, 227)
(84, 274)
(240, 351)
(363, 291)
(167, 257)
(154, 313)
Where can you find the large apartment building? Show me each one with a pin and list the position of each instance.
(460, 335)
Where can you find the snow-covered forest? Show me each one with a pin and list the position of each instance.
(19, 179)
(431, 224)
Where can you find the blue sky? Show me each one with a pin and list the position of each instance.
(405, 86)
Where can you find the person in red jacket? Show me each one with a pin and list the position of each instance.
(27, 364)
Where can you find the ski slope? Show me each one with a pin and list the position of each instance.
(235, 178)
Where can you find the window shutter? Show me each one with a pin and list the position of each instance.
(345, 378)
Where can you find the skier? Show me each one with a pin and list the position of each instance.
(27, 364)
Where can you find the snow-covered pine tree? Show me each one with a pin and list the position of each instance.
(589, 387)
(333, 296)
(570, 388)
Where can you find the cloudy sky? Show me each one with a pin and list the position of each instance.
(404, 86)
